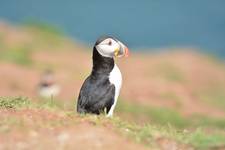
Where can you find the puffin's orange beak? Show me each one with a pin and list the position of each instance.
(126, 52)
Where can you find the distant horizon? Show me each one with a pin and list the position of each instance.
(142, 25)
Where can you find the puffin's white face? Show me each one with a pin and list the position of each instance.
(112, 48)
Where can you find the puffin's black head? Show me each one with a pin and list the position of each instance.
(109, 46)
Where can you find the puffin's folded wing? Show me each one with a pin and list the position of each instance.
(94, 97)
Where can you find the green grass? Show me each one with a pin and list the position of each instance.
(201, 140)
(170, 72)
(1, 41)
(45, 34)
(171, 96)
(24, 102)
(44, 28)
(214, 60)
(14, 102)
(165, 116)
(55, 104)
(213, 96)
(156, 115)
(149, 133)
(17, 55)
(205, 121)
(40, 37)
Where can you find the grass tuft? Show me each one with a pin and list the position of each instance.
(14, 102)
(204, 141)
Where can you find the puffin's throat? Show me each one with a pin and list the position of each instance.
(101, 64)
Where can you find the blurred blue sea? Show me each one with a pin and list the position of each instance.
(141, 24)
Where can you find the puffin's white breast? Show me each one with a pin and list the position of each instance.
(115, 78)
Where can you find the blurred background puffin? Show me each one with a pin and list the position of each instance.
(100, 90)
(48, 88)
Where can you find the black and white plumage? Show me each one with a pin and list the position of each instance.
(47, 87)
(100, 90)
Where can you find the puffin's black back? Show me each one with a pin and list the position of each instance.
(97, 93)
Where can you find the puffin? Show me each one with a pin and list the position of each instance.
(47, 87)
(100, 90)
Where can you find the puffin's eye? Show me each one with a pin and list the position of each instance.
(110, 43)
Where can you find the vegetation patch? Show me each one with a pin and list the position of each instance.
(166, 116)
(14, 102)
(157, 115)
(213, 96)
(171, 96)
(204, 121)
(170, 72)
(45, 34)
(149, 134)
(52, 104)
(20, 56)
(201, 140)
(43, 27)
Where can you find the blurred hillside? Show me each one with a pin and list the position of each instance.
(181, 88)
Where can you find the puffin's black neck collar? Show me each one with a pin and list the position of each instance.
(101, 64)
